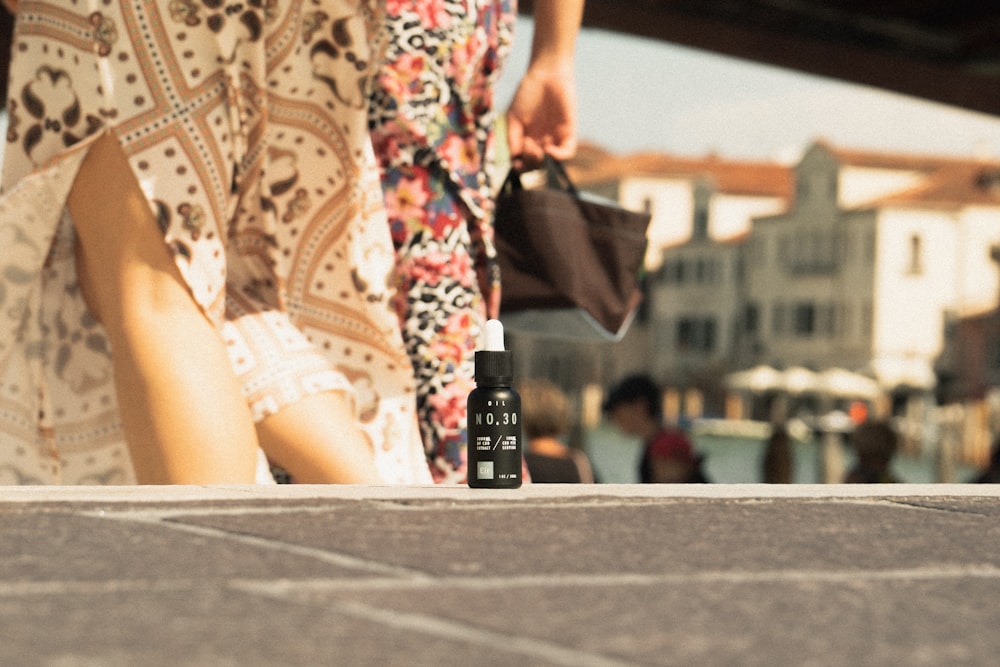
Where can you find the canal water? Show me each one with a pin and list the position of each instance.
(737, 460)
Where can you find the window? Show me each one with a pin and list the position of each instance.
(813, 252)
(801, 188)
(750, 319)
(916, 264)
(804, 320)
(703, 271)
(666, 271)
(696, 334)
(708, 335)
(700, 223)
(686, 333)
(778, 319)
(672, 271)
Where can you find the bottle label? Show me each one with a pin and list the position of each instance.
(495, 440)
(499, 412)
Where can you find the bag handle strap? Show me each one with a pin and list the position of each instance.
(556, 178)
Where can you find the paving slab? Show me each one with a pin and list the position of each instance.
(544, 575)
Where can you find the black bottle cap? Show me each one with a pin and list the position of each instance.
(494, 365)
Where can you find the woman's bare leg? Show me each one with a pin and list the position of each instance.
(318, 442)
(183, 412)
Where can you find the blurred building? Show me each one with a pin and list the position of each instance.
(700, 208)
(701, 212)
(847, 259)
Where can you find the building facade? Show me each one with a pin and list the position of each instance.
(847, 259)
(701, 210)
(870, 258)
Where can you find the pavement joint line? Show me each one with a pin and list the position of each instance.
(16, 589)
(322, 555)
(455, 631)
(296, 588)
(921, 504)
(179, 511)
(494, 641)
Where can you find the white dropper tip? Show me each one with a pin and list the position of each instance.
(494, 336)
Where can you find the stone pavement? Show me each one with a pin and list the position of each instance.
(546, 575)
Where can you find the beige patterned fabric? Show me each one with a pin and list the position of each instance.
(245, 126)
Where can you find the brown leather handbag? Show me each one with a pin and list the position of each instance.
(567, 259)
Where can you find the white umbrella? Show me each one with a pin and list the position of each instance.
(842, 383)
(800, 380)
(757, 379)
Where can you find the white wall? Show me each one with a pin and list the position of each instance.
(672, 202)
(910, 306)
(860, 185)
(730, 215)
(979, 279)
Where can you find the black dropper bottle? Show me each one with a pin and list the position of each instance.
(494, 419)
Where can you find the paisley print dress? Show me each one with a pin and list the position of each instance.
(432, 120)
(245, 125)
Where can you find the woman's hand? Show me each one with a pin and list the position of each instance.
(542, 117)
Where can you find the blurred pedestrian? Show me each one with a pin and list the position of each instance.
(546, 415)
(778, 462)
(668, 455)
(875, 444)
(991, 475)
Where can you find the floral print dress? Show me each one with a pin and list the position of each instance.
(432, 119)
(245, 124)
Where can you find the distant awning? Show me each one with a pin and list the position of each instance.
(798, 380)
(842, 383)
(758, 380)
(900, 373)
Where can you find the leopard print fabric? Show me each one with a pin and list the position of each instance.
(432, 122)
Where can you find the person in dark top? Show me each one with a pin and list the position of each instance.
(875, 443)
(991, 475)
(545, 415)
(777, 464)
(668, 454)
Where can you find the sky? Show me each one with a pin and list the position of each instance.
(640, 94)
